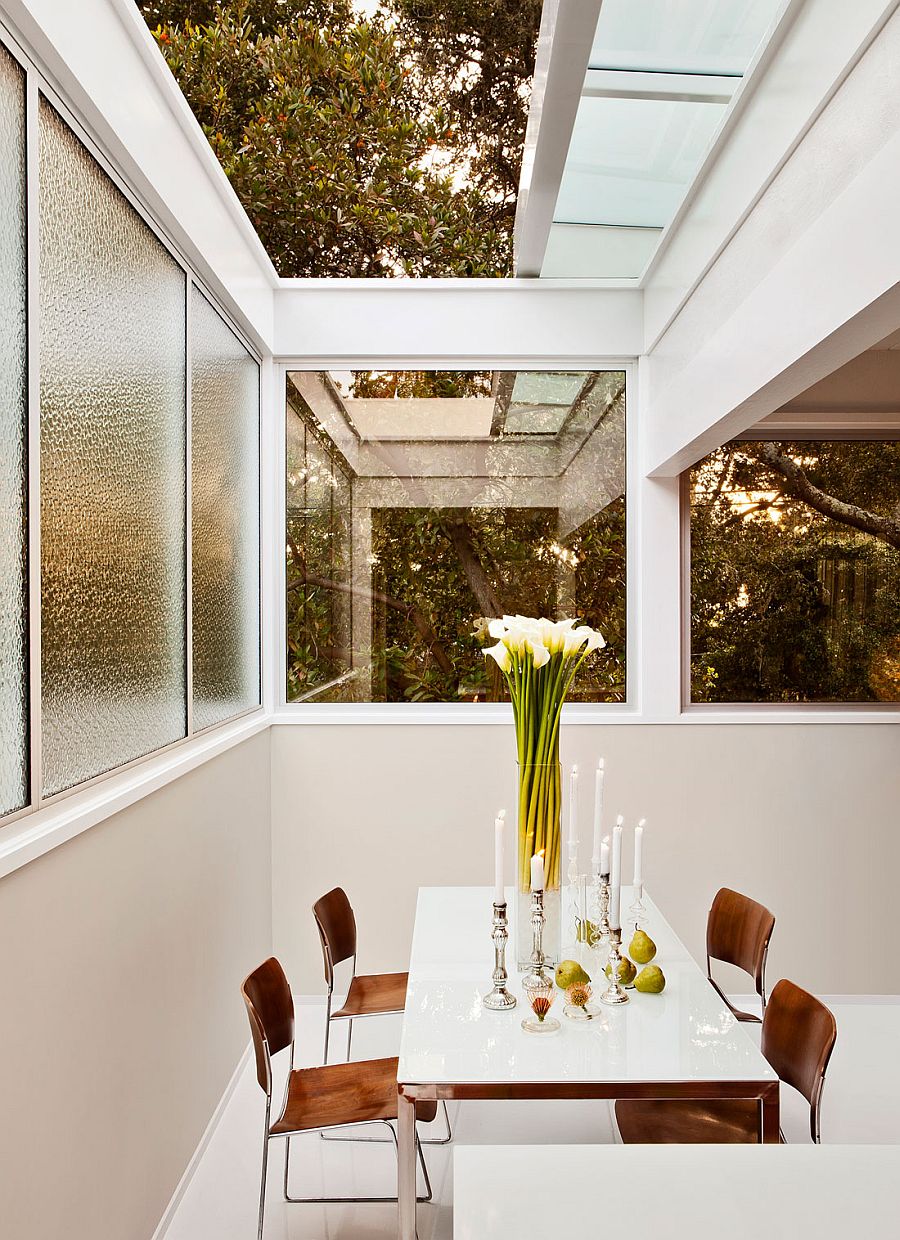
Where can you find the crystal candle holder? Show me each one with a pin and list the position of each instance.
(541, 995)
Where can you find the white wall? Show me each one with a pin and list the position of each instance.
(773, 810)
(121, 954)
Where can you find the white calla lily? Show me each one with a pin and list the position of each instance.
(501, 655)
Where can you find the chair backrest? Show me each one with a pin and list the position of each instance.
(798, 1036)
(738, 931)
(270, 1009)
(337, 930)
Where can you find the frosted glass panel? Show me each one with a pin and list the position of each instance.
(631, 160)
(681, 36)
(112, 354)
(224, 518)
(13, 636)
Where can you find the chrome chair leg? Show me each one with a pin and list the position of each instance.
(262, 1188)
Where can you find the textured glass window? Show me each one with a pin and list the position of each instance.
(112, 357)
(13, 638)
(224, 518)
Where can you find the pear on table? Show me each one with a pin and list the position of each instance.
(641, 949)
(651, 980)
(570, 973)
(625, 972)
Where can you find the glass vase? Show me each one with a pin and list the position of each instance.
(540, 791)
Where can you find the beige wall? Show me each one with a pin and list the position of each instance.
(806, 818)
(121, 1024)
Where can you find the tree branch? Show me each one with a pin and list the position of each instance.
(459, 533)
(884, 528)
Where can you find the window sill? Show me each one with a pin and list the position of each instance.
(31, 836)
(415, 714)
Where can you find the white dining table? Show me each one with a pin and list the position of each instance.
(683, 1043)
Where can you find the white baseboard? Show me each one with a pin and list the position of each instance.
(169, 1212)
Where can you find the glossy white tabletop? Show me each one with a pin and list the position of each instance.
(684, 1034)
(673, 1192)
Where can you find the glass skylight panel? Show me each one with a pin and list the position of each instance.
(630, 160)
(681, 36)
(540, 403)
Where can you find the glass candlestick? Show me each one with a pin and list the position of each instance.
(637, 914)
(541, 995)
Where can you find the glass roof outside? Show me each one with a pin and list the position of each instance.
(660, 80)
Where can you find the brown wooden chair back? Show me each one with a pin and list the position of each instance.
(337, 930)
(270, 1009)
(738, 931)
(798, 1036)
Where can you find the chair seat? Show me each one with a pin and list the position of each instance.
(345, 1093)
(375, 995)
(726, 1122)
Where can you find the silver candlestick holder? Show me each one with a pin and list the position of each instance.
(601, 910)
(537, 976)
(614, 994)
(500, 999)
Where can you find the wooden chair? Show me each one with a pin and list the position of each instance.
(798, 1036)
(738, 931)
(316, 1098)
(378, 994)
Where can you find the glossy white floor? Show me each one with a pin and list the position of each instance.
(861, 1105)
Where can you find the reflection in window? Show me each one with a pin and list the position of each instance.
(419, 502)
(795, 573)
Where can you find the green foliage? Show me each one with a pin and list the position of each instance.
(799, 608)
(345, 160)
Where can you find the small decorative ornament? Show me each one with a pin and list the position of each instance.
(578, 1002)
(541, 995)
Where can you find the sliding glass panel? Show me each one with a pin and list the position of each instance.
(112, 354)
(13, 417)
(224, 518)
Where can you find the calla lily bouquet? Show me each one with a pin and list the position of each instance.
(539, 659)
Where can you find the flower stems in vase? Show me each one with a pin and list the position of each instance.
(539, 659)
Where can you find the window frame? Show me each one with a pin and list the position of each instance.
(414, 713)
(38, 84)
(768, 712)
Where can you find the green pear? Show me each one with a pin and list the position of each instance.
(641, 949)
(651, 980)
(625, 972)
(570, 973)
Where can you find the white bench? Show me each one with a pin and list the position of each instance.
(675, 1192)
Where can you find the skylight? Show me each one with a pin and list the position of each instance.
(661, 78)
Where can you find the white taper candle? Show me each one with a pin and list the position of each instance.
(604, 856)
(598, 811)
(639, 853)
(499, 889)
(573, 814)
(537, 871)
(615, 877)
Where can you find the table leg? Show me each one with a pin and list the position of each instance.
(406, 1167)
(769, 1103)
